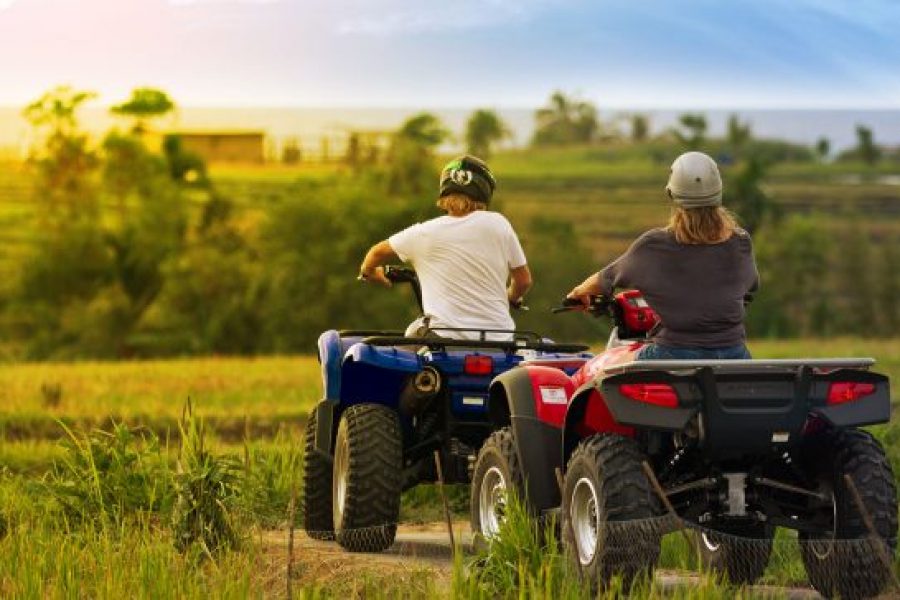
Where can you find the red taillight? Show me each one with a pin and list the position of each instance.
(660, 394)
(476, 364)
(848, 391)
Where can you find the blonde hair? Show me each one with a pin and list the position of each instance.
(459, 204)
(703, 225)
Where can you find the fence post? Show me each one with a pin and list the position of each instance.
(440, 474)
(292, 509)
(651, 476)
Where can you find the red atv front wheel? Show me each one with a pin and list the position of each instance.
(607, 502)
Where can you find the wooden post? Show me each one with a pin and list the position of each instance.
(440, 474)
(292, 510)
(651, 476)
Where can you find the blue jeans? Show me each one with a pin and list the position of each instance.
(658, 352)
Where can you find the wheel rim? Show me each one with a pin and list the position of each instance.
(585, 520)
(707, 541)
(492, 502)
(341, 476)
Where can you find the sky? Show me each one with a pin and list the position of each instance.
(460, 53)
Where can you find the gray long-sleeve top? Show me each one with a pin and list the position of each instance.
(697, 290)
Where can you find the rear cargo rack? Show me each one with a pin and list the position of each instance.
(741, 366)
(437, 343)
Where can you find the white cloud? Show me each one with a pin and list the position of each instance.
(6, 3)
(396, 17)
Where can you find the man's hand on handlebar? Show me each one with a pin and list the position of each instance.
(375, 275)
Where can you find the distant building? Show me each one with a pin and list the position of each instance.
(225, 146)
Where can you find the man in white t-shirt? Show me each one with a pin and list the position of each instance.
(464, 259)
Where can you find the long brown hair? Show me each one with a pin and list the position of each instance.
(459, 205)
(704, 225)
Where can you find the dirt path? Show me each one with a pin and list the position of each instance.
(426, 547)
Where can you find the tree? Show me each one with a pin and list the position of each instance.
(483, 129)
(793, 259)
(823, 148)
(866, 148)
(640, 127)
(693, 130)
(57, 109)
(744, 194)
(411, 166)
(738, 133)
(565, 120)
(63, 159)
(145, 104)
(423, 129)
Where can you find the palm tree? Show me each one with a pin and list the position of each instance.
(565, 121)
(483, 129)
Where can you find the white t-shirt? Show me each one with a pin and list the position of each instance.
(463, 265)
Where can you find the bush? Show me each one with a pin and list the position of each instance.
(206, 491)
(109, 476)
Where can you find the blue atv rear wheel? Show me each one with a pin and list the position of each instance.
(367, 478)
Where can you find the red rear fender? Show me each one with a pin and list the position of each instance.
(551, 390)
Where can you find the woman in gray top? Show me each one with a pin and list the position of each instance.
(695, 273)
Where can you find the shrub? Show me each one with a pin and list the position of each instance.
(110, 475)
(206, 490)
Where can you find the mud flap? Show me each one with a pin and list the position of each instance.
(538, 444)
(325, 413)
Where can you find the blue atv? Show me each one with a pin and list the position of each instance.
(390, 402)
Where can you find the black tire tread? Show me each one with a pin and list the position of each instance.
(742, 556)
(855, 571)
(372, 506)
(624, 494)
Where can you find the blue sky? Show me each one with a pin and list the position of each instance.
(404, 53)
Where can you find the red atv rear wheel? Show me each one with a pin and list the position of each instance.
(846, 562)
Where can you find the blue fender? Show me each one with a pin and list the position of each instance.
(376, 374)
(354, 373)
(331, 353)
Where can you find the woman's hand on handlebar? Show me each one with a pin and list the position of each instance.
(579, 294)
(585, 291)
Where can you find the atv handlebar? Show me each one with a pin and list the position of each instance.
(599, 306)
(401, 274)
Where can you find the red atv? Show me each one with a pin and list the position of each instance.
(739, 447)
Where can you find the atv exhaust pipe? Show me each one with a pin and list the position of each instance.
(419, 390)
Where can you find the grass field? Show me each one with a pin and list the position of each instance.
(254, 409)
